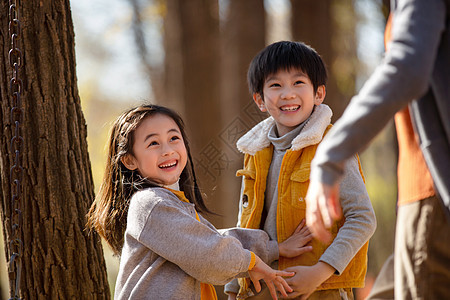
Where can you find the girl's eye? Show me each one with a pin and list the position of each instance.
(154, 143)
(174, 138)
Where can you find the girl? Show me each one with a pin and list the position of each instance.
(147, 211)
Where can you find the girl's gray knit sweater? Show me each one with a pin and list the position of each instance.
(167, 253)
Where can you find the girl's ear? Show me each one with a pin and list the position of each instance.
(259, 101)
(129, 162)
(320, 95)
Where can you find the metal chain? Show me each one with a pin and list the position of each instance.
(16, 172)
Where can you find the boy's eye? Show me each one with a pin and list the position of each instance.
(299, 82)
(275, 85)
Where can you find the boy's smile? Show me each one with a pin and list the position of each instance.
(289, 97)
(290, 107)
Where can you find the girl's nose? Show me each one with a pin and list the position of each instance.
(167, 150)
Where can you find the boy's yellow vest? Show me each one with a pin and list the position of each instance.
(293, 184)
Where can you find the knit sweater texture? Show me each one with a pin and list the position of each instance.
(167, 252)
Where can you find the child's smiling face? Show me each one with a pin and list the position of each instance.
(289, 97)
(159, 152)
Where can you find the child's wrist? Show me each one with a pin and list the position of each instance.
(280, 249)
(252, 261)
(324, 270)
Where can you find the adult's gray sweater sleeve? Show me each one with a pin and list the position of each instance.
(402, 77)
(360, 221)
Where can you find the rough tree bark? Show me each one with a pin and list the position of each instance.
(60, 259)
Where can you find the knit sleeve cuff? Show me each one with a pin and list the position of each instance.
(252, 261)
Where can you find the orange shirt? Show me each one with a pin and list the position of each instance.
(414, 178)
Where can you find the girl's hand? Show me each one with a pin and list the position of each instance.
(273, 278)
(295, 244)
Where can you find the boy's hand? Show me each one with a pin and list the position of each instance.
(322, 208)
(273, 278)
(295, 244)
(308, 278)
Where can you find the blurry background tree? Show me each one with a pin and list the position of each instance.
(193, 56)
(334, 37)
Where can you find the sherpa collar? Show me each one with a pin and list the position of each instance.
(256, 139)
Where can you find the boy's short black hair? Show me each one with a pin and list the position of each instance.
(286, 55)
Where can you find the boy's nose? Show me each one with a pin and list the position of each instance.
(288, 93)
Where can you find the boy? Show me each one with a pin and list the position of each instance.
(287, 80)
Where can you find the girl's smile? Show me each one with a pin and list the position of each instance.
(159, 153)
(168, 165)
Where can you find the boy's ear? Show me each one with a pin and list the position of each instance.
(320, 95)
(259, 101)
(129, 162)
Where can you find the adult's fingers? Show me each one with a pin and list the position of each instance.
(315, 222)
(324, 209)
(334, 205)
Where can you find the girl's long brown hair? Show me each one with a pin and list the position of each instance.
(108, 213)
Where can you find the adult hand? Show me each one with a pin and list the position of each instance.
(295, 245)
(322, 209)
(273, 278)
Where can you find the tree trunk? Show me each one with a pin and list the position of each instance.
(59, 260)
(173, 59)
(200, 52)
(138, 28)
(243, 37)
(328, 26)
(193, 75)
